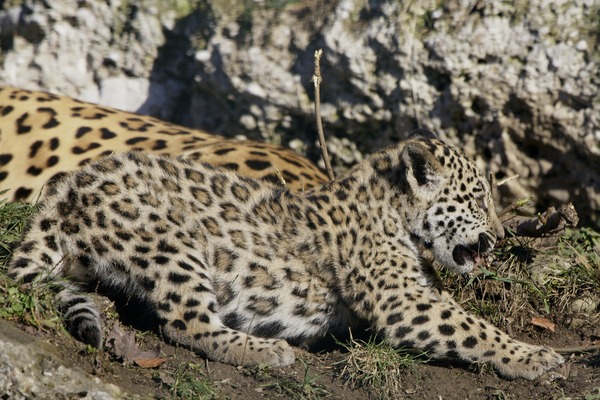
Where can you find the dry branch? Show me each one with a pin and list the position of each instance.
(549, 222)
(316, 80)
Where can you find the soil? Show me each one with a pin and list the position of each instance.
(318, 374)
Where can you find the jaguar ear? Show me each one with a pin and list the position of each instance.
(421, 133)
(424, 173)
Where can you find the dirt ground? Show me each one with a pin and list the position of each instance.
(317, 375)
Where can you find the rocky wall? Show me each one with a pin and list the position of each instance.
(516, 85)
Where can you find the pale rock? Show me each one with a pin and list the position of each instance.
(518, 92)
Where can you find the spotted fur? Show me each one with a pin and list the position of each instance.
(239, 269)
(43, 136)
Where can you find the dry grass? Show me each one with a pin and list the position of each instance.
(531, 278)
(377, 367)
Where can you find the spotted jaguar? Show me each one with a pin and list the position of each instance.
(239, 270)
(43, 136)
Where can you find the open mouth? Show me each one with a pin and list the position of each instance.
(472, 252)
(463, 254)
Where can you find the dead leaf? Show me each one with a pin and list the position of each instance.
(122, 345)
(150, 362)
(544, 323)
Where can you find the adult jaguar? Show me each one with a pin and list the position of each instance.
(43, 136)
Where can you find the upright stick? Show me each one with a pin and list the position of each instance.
(316, 79)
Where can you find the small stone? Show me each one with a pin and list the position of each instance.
(202, 56)
(581, 45)
(584, 305)
(248, 122)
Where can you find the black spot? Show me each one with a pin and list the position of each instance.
(431, 346)
(200, 288)
(52, 161)
(403, 331)
(46, 224)
(54, 142)
(258, 165)
(452, 354)
(224, 151)
(178, 278)
(140, 262)
(81, 150)
(424, 335)
(233, 320)
(135, 140)
(342, 195)
(71, 229)
(51, 243)
(126, 236)
(204, 318)
(5, 159)
(21, 127)
(470, 342)
(192, 303)
(6, 110)
(446, 314)
(34, 171)
(53, 122)
(423, 307)
(421, 319)
(165, 247)
(394, 318)
(447, 330)
(82, 131)
(189, 315)
(107, 133)
(161, 260)
(159, 144)
(142, 249)
(22, 193)
(179, 324)
(21, 262)
(505, 360)
(185, 265)
(268, 329)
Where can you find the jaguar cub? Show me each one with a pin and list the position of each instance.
(236, 268)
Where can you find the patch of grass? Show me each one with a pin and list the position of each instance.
(580, 277)
(288, 386)
(594, 395)
(189, 382)
(534, 276)
(500, 395)
(377, 367)
(34, 306)
(13, 217)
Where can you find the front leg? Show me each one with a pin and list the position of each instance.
(409, 314)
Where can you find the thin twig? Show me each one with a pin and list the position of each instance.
(316, 79)
(507, 179)
(514, 205)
